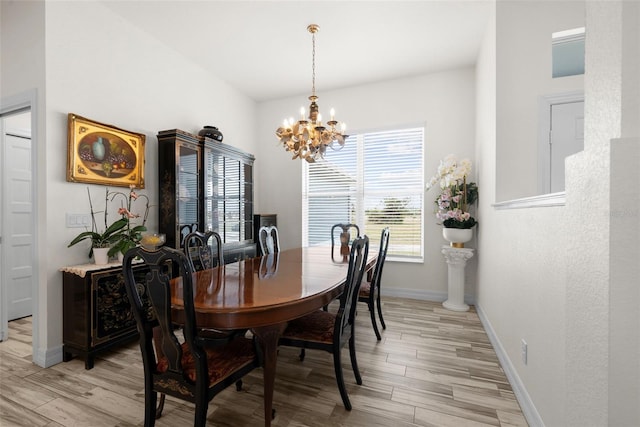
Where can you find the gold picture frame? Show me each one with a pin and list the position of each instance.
(98, 153)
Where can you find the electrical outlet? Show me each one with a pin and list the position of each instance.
(523, 350)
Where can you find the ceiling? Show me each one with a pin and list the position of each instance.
(263, 49)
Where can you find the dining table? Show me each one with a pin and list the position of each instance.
(262, 294)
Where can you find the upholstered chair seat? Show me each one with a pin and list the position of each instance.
(315, 327)
(222, 361)
(365, 289)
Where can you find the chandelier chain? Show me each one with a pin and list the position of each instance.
(313, 64)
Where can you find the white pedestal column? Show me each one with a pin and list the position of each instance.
(456, 260)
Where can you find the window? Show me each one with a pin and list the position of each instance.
(567, 53)
(375, 181)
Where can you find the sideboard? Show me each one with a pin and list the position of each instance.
(96, 311)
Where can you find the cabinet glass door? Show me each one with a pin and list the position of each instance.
(232, 200)
(188, 216)
(213, 189)
(246, 200)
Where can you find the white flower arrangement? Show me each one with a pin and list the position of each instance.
(456, 193)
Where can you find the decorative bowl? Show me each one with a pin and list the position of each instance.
(211, 132)
(457, 237)
(153, 241)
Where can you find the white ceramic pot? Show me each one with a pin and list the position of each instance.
(457, 237)
(100, 256)
(120, 257)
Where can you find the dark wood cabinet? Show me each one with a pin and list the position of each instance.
(205, 185)
(262, 220)
(96, 311)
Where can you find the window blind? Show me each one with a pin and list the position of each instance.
(375, 181)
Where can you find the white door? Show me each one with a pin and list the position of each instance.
(17, 234)
(566, 137)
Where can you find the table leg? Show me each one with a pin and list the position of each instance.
(267, 337)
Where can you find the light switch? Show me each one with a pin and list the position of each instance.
(78, 220)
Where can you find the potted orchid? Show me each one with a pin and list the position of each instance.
(119, 236)
(130, 235)
(100, 241)
(456, 197)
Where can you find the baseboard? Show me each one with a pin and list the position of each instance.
(420, 295)
(526, 404)
(413, 294)
(49, 357)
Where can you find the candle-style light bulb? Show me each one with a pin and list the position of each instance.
(343, 127)
(319, 119)
(302, 113)
(285, 123)
(332, 113)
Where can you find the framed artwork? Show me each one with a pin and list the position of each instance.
(103, 154)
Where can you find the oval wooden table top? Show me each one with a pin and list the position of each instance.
(263, 294)
(266, 290)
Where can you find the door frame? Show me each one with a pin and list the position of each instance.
(27, 100)
(545, 103)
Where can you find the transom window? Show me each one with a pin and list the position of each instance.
(375, 181)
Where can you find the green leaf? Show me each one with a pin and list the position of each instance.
(118, 225)
(83, 236)
(138, 229)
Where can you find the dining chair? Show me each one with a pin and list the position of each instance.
(203, 250)
(184, 365)
(344, 238)
(328, 331)
(185, 230)
(269, 240)
(370, 290)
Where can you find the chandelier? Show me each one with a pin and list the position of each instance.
(309, 138)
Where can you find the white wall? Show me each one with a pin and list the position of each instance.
(444, 103)
(524, 31)
(21, 69)
(521, 270)
(565, 278)
(602, 290)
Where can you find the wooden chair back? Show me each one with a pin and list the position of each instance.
(382, 256)
(357, 266)
(203, 250)
(344, 238)
(184, 231)
(269, 240)
(370, 291)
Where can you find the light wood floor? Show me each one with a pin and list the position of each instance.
(433, 367)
